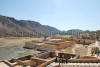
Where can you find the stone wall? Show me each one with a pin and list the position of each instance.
(65, 55)
(47, 63)
(38, 61)
(25, 58)
(47, 55)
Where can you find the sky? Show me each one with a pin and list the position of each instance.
(61, 14)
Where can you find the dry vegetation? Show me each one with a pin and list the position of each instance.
(15, 40)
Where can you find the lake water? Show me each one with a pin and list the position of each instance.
(7, 52)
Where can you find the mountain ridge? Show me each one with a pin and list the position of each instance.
(9, 25)
(74, 31)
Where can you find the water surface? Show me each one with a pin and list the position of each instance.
(12, 51)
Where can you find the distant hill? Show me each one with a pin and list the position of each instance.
(11, 27)
(74, 31)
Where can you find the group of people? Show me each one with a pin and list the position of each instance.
(61, 59)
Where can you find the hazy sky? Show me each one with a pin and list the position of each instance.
(62, 14)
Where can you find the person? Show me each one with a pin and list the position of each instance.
(67, 60)
(57, 53)
(23, 65)
(71, 57)
(63, 59)
(56, 60)
(59, 60)
(57, 56)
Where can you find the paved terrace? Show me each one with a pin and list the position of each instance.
(89, 62)
(50, 48)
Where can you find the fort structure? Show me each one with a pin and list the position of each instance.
(51, 54)
(49, 59)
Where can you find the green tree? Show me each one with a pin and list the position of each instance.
(95, 50)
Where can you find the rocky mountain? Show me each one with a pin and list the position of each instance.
(12, 27)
